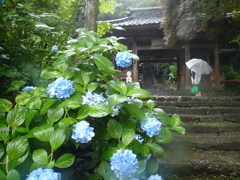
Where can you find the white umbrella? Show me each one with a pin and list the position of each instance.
(199, 66)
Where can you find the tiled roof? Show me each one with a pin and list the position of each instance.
(140, 16)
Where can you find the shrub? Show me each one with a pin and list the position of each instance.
(41, 122)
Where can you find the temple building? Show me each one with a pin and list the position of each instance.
(144, 36)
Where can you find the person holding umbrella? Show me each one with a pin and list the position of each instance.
(197, 67)
(195, 79)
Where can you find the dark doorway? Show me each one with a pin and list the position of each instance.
(158, 71)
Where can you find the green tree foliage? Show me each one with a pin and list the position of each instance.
(184, 19)
(28, 29)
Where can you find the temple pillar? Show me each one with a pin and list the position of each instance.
(187, 58)
(135, 64)
(216, 66)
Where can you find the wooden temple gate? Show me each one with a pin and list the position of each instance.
(146, 39)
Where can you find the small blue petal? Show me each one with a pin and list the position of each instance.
(82, 132)
(152, 126)
(60, 88)
(1, 2)
(46, 174)
(29, 88)
(54, 48)
(124, 164)
(116, 110)
(123, 59)
(93, 98)
(139, 138)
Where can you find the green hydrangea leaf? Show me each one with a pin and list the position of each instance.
(13, 175)
(104, 64)
(55, 115)
(22, 99)
(152, 166)
(5, 105)
(65, 160)
(135, 111)
(16, 148)
(57, 138)
(139, 93)
(128, 136)
(99, 110)
(16, 116)
(40, 156)
(83, 111)
(44, 132)
(114, 129)
(34, 103)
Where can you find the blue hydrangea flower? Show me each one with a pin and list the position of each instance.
(139, 138)
(29, 88)
(54, 48)
(152, 126)
(124, 164)
(1, 2)
(82, 132)
(123, 59)
(60, 88)
(116, 110)
(93, 98)
(155, 177)
(46, 174)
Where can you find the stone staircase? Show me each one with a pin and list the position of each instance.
(212, 141)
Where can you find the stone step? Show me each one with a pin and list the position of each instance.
(199, 162)
(189, 103)
(198, 98)
(211, 127)
(235, 118)
(200, 110)
(208, 141)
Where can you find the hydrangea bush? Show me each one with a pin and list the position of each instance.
(84, 108)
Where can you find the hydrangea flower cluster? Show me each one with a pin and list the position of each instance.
(93, 98)
(124, 164)
(155, 177)
(123, 59)
(29, 88)
(54, 48)
(139, 138)
(82, 132)
(60, 88)
(152, 126)
(46, 174)
(116, 110)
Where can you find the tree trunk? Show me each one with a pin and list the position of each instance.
(91, 14)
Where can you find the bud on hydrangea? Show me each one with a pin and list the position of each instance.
(54, 48)
(82, 132)
(60, 88)
(152, 126)
(29, 88)
(139, 138)
(123, 59)
(46, 174)
(155, 177)
(124, 164)
(93, 98)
